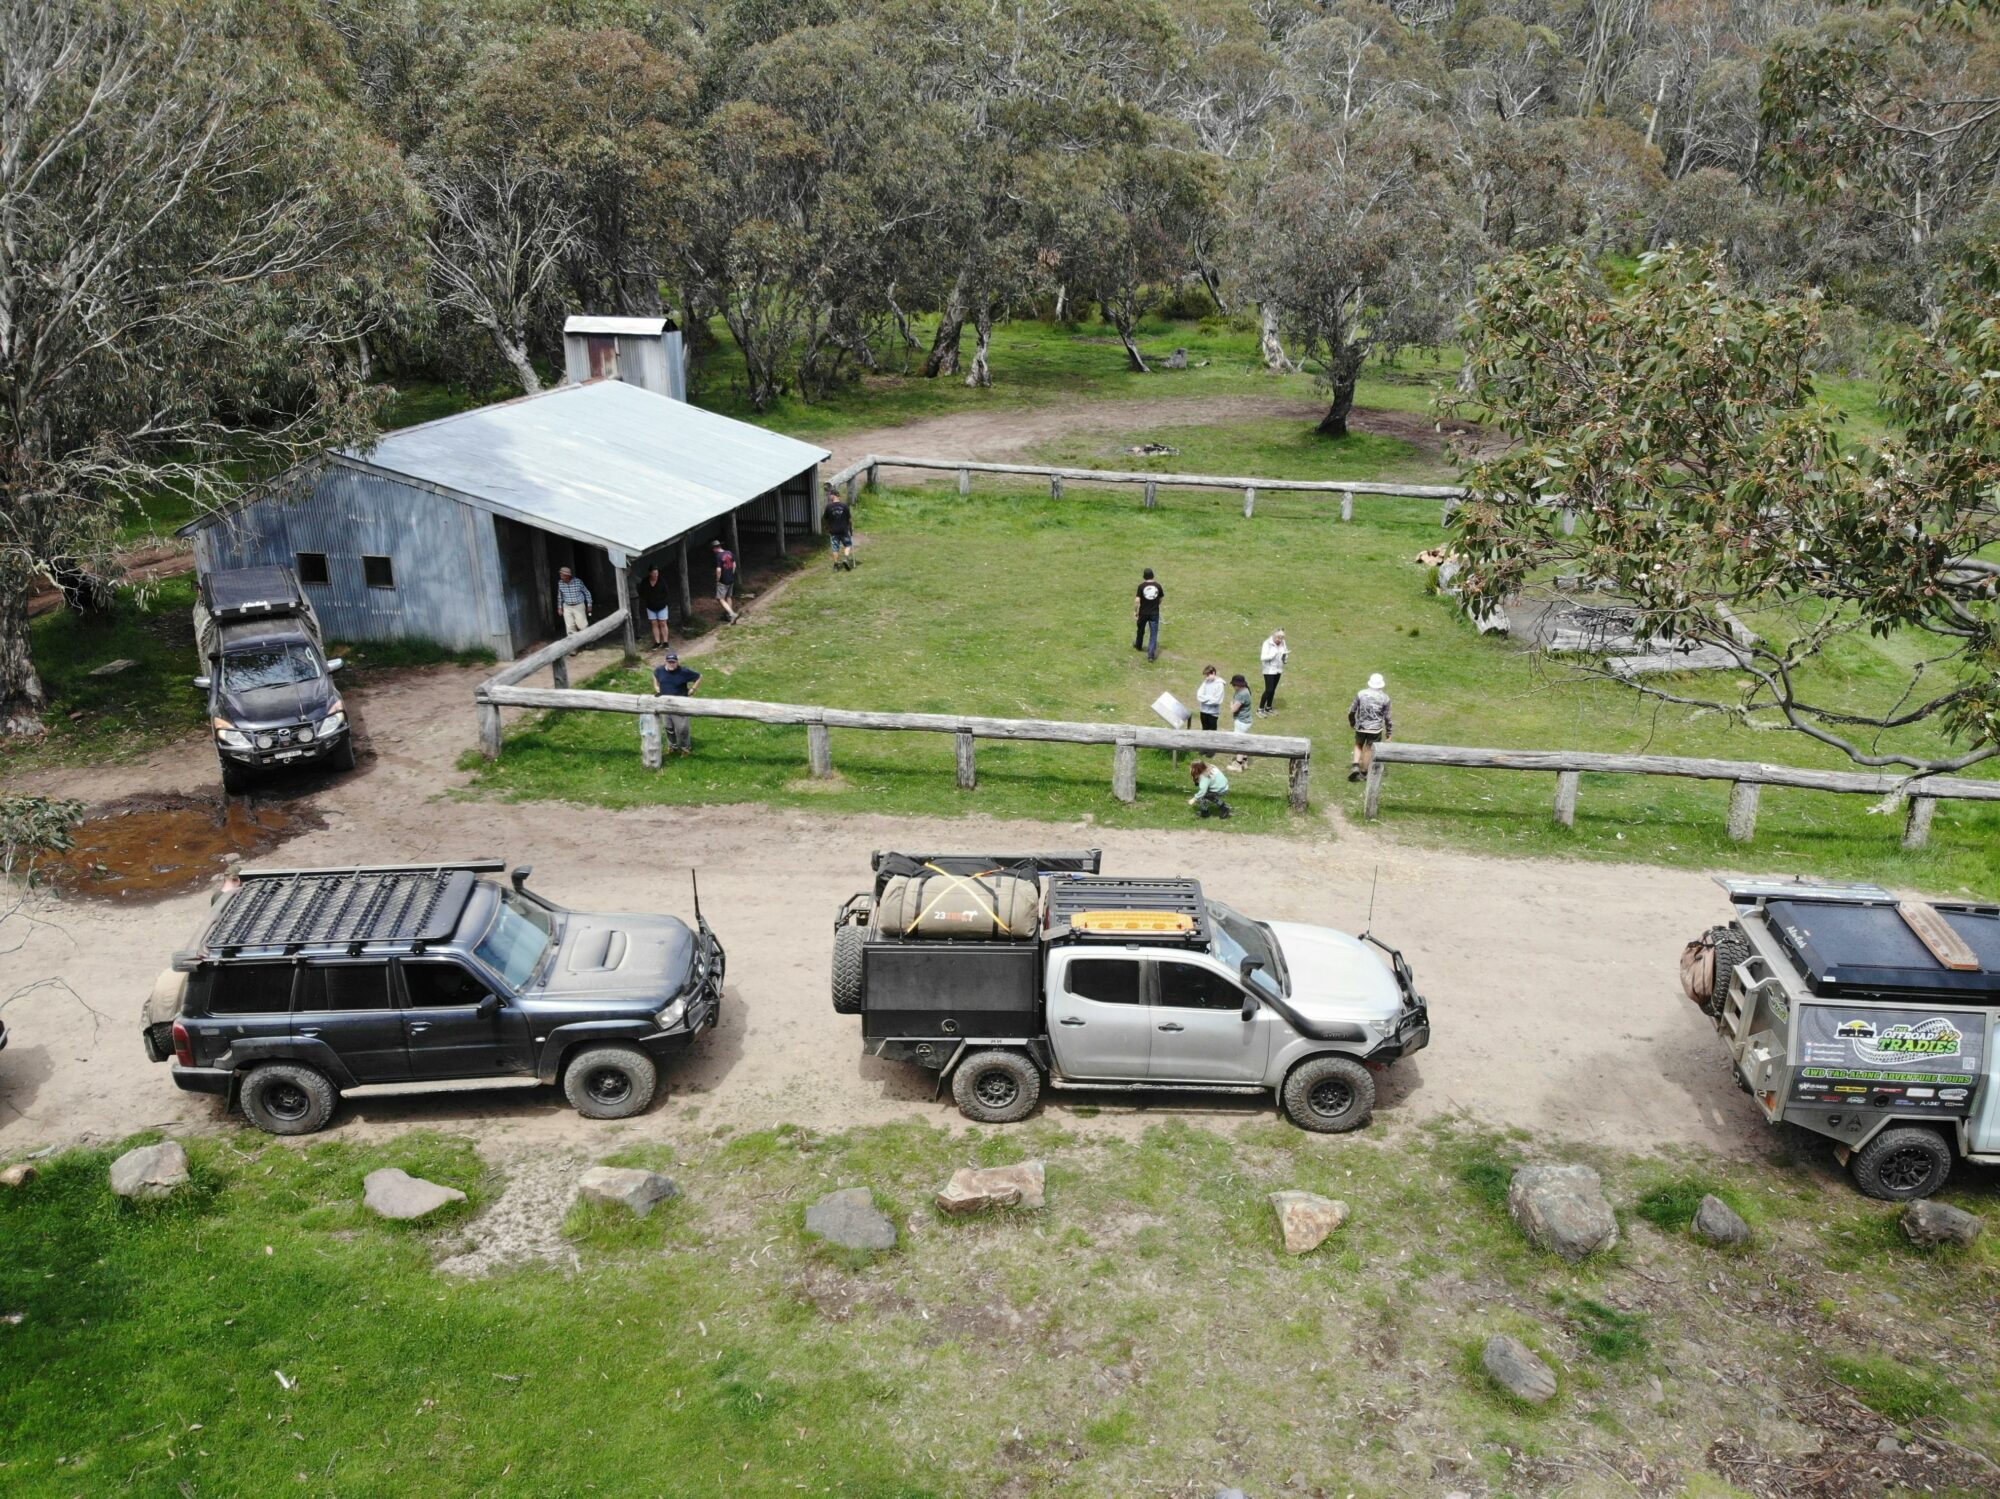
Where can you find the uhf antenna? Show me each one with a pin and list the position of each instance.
(695, 880)
(1374, 880)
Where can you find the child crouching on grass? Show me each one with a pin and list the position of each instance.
(1210, 787)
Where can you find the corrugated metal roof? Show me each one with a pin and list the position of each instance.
(604, 462)
(584, 324)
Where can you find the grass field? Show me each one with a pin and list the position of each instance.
(1142, 1335)
(1015, 605)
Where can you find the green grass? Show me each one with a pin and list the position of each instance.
(1015, 605)
(1144, 1333)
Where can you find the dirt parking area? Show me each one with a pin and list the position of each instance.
(1552, 983)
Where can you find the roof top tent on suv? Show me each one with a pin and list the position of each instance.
(1861, 1017)
(309, 984)
(271, 698)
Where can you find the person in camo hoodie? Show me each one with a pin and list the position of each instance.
(1370, 717)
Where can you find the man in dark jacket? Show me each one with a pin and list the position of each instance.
(839, 522)
(1146, 615)
(675, 680)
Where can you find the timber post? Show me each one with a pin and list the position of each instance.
(687, 593)
(1299, 782)
(874, 477)
(1743, 798)
(968, 766)
(853, 488)
(735, 535)
(489, 730)
(1566, 784)
(964, 482)
(1917, 830)
(1055, 486)
(559, 671)
(649, 741)
(1152, 495)
(630, 605)
(777, 510)
(1125, 771)
(1371, 792)
(819, 750)
(1347, 507)
(1249, 503)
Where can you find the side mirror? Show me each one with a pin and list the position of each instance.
(520, 877)
(488, 1007)
(1250, 1007)
(204, 683)
(1247, 967)
(334, 664)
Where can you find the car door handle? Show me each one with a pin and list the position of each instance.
(1173, 1025)
(311, 1030)
(1070, 1020)
(419, 1025)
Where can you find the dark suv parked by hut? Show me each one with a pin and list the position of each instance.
(271, 698)
(306, 984)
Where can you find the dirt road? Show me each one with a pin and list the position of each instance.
(1552, 983)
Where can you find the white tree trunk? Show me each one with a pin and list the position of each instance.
(981, 373)
(1275, 358)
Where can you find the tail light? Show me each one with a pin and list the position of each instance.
(183, 1047)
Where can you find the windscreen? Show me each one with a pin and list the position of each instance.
(514, 944)
(279, 664)
(1238, 937)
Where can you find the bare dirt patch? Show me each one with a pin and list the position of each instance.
(525, 1224)
(150, 846)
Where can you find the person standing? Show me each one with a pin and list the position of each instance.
(675, 680)
(725, 578)
(838, 519)
(1239, 714)
(1208, 697)
(1146, 615)
(1210, 787)
(1274, 653)
(1370, 717)
(656, 600)
(572, 601)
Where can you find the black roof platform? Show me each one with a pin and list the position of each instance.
(1863, 946)
(251, 593)
(1164, 911)
(400, 904)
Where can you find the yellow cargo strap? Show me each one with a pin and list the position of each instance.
(954, 882)
(1141, 923)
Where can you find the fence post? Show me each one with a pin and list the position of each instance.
(965, 481)
(1743, 796)
(649, 740)
(1152, 495)
(1566, 784)
(819, 749)
(1917, 831)
(1371, 792)
(853, 488)
(968, 770)
(1300, 781)
(874, 477)
(1055, 486)
(559, 671)
(1347, 504)
(489, 730)
(1249, 503)
(1125, 771)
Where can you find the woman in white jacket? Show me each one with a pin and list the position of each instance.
(1274, 653)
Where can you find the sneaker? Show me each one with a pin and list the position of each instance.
(1354, 774)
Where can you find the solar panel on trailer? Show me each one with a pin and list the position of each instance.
(1845, 949)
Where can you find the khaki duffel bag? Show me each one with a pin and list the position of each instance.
(934, 904)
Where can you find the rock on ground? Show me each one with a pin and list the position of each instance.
(1719, 1223)
(19, 1175)
(393, 1193)
(151, 1171)
(976, 1188)
(850, 1219)
(1563, 1209)
(628, 1187)
(1933, 1223)
(1307, 1218)
(1514, 1366)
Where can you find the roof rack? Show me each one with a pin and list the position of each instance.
(1120, 910)
(289, 909)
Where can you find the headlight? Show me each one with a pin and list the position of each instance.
(228, 735)
(334, 723)
(671, 1015)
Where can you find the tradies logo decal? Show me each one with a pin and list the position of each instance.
(1933, 1040)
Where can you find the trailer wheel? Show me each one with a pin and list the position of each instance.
(1329, 1095)
(1900, 1165)
(996, 1087)
(848, 994)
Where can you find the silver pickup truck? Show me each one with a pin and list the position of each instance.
(1007, 973)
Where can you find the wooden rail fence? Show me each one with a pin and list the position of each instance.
(1747, 778)
(851, 477)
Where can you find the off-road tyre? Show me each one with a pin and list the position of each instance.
(1730, 950)
(287, 1098)
(342, 757)
(235, 778)
(996, 1087)
(1901, 1164)
(848, 993)
(1329, 1095)
(610, 1082)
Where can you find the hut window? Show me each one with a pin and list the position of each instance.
(312, 567)
(379, 572)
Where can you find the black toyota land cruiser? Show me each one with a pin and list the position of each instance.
(309, 983)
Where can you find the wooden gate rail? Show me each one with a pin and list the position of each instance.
(870, 468)
(1747, 778)
(1126, 739)
(555, 656)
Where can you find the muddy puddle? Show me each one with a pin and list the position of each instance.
(148, 847)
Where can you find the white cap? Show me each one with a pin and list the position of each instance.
(1376, 682)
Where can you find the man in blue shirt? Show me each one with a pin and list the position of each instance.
(675, 680)
(572, 601)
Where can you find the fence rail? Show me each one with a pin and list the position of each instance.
(871, 466)
(1747, 778)
(1126, 739)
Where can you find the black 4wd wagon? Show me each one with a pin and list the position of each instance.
(309, 983)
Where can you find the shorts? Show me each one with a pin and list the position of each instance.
(725, 590)
(1239, 726)
(1366, 736)
(837, 539)
(658, 616)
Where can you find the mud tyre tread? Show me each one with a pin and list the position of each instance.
(996, 1087)
(287, 1098)
(610, 1082)
(1329, 1095)
(849, 993)
(1901, 1164)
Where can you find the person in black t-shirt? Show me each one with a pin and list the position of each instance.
(654, 598)
(839, 523)
(725, 578)
(1146, 616)
(675, 680)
